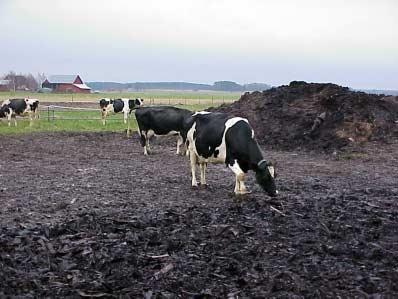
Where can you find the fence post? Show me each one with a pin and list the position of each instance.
(48, 113)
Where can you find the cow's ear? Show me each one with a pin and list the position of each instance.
(262, 165)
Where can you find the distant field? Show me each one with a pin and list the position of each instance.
(52, 120)
(156, 97)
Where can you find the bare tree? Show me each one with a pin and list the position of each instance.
(40, 78)
(21, 82)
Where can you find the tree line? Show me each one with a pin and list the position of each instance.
(26, 82)
(216, 86)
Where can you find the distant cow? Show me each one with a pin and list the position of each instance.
(118, 105)
(21, 107)
(219, 138)
(161, 120)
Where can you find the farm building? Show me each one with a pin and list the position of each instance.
(4, 85)
(66, 83)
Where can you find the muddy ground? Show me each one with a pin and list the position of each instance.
(87, 215)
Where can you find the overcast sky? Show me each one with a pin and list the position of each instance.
(349, 42)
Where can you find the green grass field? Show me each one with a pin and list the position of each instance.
(156, 97)
(75, 121)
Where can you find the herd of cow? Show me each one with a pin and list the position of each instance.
(206, 137)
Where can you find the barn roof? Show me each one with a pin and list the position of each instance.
(82, 86)
(62, 78)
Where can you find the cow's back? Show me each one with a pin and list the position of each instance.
(118, 105)
(18, 105)
(161, 120)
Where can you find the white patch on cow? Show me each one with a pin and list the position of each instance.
(6, 102)
(201, 112)
(240, 187)
(271, 171)
(252, 133)
(203, 167)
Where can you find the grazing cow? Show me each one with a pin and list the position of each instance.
(219, 138)
(21, 107)
(161, 120)
(118, 105)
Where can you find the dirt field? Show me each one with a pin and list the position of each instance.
(88, 215)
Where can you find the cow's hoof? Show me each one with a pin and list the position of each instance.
(195, 187)
(242, 193)
(204, 186)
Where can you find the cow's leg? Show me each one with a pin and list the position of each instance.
(125, 115)
(9, 119)
(179, 143)
(193, 158)
(30, 119)
(203, 167)
(149, 135)
(103, 116)
(240, 187)
(144, 142)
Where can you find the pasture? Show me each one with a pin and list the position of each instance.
(85, 214)
(154, 97)
(71, 119)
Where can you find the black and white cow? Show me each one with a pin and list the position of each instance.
(118, 105)
(21, 107)
(219, 138)
(160, 120)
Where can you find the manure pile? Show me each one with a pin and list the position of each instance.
(317, 116)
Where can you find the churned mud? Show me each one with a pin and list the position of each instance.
(87, 215)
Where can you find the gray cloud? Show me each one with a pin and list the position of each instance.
(353, 43)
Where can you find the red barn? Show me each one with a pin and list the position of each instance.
(66, 84)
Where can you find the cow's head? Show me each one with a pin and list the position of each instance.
(104, 103)
(265, 176)
(4, 111)
(138, 102)
(33, 103)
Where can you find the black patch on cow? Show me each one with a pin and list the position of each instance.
(208, 134)
(18, 105)
(131, 105)
(118, 105)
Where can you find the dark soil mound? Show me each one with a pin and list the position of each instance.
(317, 116)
